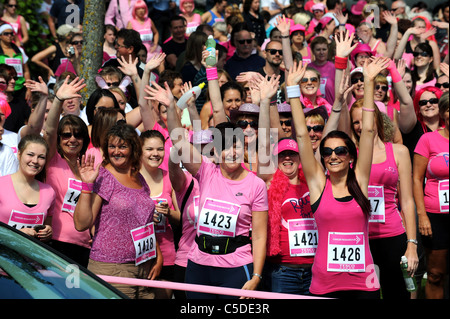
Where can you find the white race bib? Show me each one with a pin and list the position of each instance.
(144, 241)
(302, 237)
(72, 195)
(19, 220)
(443, 196)
(346, 252)
(377, 204)
(218, 218)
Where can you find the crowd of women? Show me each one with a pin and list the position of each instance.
(312, 173)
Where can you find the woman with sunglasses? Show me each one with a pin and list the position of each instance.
(309, 87)
(68, 140)
(12, 55)
(73, 63)
(343, 264)
(124, 243)
(431, 162)
(224, 254)
(424, 72)
(17, 21)
(391, 234)
(25, 200)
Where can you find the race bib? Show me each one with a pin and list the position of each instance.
(72, 195)
(218, 218)
(146, 37)
(19, 220)
(323, 84)
(443, 196)
(376, 198)
(346, 252)
(302, 237)
(144, 243)
(16, 64)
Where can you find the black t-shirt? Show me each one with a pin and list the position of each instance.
(410, 139)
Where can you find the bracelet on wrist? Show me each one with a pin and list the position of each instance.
(87, 186)
(336, 111)
(368, 110)
(56, 96)
(414, 241)
(257, 275)
(86, 192)
(211, 74)
(340, 62)
(285, 36)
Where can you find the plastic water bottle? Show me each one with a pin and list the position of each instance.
(182, 102)
(410, 282)
(211, 48)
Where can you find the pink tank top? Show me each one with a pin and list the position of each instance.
(145, 30)
(343, 260)
(164, 232)
(385, 220)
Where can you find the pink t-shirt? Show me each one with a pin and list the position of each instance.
(18, 215)
(343, 242)
(435, 147)
(383, 188)
(123, 209)
(61, 178)
(327, 75)
(250, 194)
(189, 219)
(163, 229)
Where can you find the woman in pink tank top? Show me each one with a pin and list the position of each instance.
(389, 240)
(166, 208)
(343, 265)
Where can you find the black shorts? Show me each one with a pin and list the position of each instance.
(440, 227)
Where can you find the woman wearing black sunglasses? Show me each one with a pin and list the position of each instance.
(68, 140)
(343, 265)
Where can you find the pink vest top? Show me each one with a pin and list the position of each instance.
(164, 232)
(343, 260)
(385, 220)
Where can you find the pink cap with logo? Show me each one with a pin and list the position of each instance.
(287, 144)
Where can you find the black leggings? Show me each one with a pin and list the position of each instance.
(386, 253)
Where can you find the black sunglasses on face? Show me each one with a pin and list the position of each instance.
(8, 34)
(12, 5)
(286, 122)
(274, 51)
(356, 80)
(68, 135)
(315, 128)
(425, 102)
(339, 151)
(77, 42)
(244, 124)
(440, 85)
(423, 53)
(248, 41)
(313, 80)
(382, 87)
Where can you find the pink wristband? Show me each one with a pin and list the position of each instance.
(211, 74)
(87, 186)
(368, 110)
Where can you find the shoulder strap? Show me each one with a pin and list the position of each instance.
(185, 198)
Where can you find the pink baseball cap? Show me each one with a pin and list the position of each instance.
(287, 144)
(297, 27)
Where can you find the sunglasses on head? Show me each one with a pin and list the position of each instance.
(274, 51)
(432, 101)
(68, 135)
(244, 124)
(356, 80)
(286, 122)
(313, 80)
(442, 85)
(8, 34)
(77, 42)
(423, 53)
(248, 41)
(315, 128)
(384, 88)
(339, 151)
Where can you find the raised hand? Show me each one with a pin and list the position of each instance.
(428, 33)
(35, 86)
(373, 67)
(249, 76)
(70, 90)
(88, 172)
(444, 68)
(128, 67)
(269, 86)
(389, 17)
(344, 88)
(344, 44)
(157, 93)
(341, 17)
(155, 61)
(283, 25)
(295, 74)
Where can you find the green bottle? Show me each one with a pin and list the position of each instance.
(410, 282)
(211, 48)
